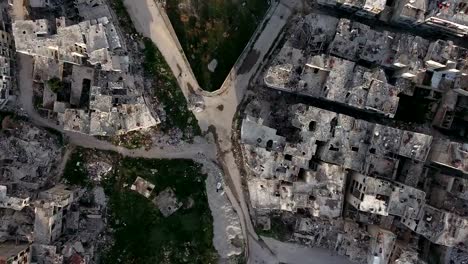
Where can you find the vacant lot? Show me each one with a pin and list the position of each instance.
(214, 29)
(141, 234)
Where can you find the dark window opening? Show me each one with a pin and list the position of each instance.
(269, 145)
(312, 125)
(334, 148)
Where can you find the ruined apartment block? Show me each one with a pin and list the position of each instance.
(450, 154)
(330, 149)
(446, 16)
(94, 41)
(91, 100)
(15, 253)
(324, 60)
(50, 211)
(7, 72)
(368, 8)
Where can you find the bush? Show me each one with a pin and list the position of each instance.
(55, 84)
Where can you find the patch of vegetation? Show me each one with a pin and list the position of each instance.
(211, 29)
(141, 233)
(56, 133)
(123, 16)
(55, 84)
(166, 87)
(133, 140)
(279, 230)
(168, 92)
(75, 172)
(37, 101)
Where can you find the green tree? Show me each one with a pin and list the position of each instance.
(55, 84)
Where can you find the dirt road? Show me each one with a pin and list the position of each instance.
(148, 20)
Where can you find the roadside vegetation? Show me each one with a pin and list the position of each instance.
(75, 172)
(168, 92)
(165, 86)
(211, 29)
(123, 16)
(133, 140)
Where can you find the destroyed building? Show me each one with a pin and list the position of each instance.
(28, 157)
(450, 154)
(50, 213)
(381, 246)
(7, 71)
(393, 188)
(142, 187)
(343, 68)
(384, 167)
(287, 180)
(83, 106)
(100, 100)
(382, 197)
(15, 253)
(367, 8)
(439, 226)
(104, 117)
(68, 225)
(10, 202)
(446, 16)
(94, 41)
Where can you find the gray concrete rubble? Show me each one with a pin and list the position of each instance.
(69, 225)
(307, 171)
(447, 17)
(227, 230)
(167, 203)
(115, 108)
(98, 170)
(348, 184)
(28, 156)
